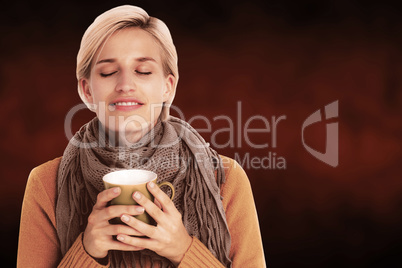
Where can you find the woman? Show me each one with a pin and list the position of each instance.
(127, 74)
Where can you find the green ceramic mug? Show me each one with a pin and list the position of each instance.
(130, 181)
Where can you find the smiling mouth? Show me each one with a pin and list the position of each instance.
(123, 103)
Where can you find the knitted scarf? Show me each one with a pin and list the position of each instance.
(173, 150)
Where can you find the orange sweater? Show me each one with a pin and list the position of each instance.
(39, 245)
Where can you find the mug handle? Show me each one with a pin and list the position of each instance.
(167, 184)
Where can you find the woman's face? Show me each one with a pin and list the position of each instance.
(127, 84)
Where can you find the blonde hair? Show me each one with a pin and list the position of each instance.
(118, 18)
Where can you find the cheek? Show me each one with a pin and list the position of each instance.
(99, 91)
(158, 90)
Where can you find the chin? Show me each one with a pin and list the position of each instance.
(128, 125)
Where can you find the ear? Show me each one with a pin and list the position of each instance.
(87, 90)
(169, 87)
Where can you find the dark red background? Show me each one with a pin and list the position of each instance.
(277, 58)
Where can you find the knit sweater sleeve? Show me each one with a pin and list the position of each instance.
(241, 215)
(38, 242)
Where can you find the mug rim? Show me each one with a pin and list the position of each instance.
(108, 178)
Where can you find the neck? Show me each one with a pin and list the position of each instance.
(129, 138)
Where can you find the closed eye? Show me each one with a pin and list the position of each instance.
(143, 73)
(106, 75)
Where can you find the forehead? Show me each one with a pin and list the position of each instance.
(129, 43)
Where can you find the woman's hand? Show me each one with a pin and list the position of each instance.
(98, 235)
(169, 238)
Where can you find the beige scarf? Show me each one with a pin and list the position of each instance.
(173, 150)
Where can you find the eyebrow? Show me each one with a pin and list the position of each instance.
(141, 59)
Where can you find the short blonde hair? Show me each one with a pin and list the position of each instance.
(118, 18)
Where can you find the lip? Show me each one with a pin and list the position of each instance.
(126, 107)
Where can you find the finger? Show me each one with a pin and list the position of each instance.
(118, 210)
(142, 227)
(137, 241)
(158, 204)
(105, 196)
(164, 199)
(116, 229)
(150, 207)
(116, 245)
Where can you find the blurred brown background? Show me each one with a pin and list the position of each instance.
(277, 58)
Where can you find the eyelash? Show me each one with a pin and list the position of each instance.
(138, 72)
(106, 75)
(143, 73)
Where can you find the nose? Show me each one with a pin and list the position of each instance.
(125, 82)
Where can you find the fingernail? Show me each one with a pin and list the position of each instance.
(151, 184)
(120, 238)
(140, 209)
(125, 218)
(137, 195)
(116, 190)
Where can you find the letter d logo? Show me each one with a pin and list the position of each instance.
(330, 156)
